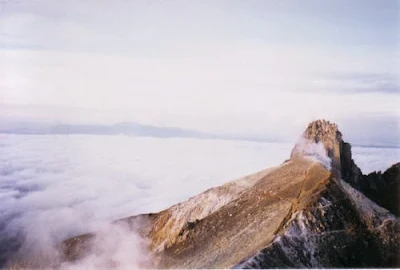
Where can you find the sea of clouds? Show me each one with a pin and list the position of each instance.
(53, 187)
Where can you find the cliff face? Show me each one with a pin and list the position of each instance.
(307, 212)
(383, 188)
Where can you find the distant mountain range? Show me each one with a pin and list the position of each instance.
(123, 128)
(142, 130)
(126, 128)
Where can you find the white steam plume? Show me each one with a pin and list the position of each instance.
(114, 246)
(313, 151)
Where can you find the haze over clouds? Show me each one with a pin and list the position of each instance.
(244, 68)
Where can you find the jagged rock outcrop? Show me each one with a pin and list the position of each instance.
(303, 213)
(383, 188)
(337, 150)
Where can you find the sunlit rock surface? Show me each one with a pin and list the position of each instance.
(306, 212)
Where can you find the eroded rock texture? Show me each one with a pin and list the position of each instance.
(342, 228)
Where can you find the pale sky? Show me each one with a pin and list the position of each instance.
(242, 67)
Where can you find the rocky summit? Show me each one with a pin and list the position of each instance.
(316, 209)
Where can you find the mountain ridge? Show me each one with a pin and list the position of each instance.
(306, 212)
(310, 211)
(120, 128)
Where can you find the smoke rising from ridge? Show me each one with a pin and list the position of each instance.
(313, 151)
(114, 246)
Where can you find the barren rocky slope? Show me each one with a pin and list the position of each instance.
(307, 212)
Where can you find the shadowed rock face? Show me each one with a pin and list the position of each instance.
(383, 188)
(303, 213)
